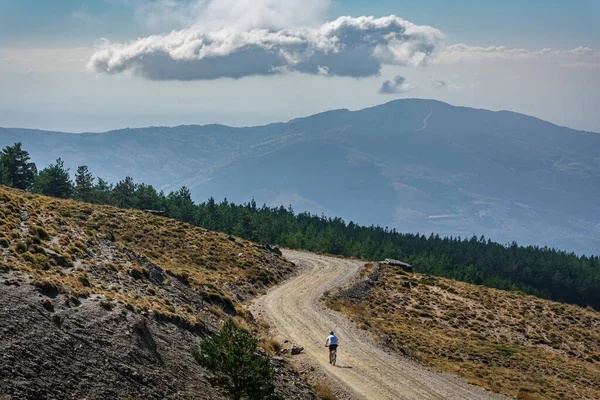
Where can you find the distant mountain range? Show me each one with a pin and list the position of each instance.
(414, 165)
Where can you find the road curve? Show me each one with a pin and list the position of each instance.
(364, 368)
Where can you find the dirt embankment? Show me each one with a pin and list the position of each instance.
(103, 303)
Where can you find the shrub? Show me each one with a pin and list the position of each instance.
(224, 302)
(241, 324)
(4, 242)
(74, 250)
(41, 233)
(274, 345)
(107, 304)
(83, 279)
(323, 392)
(47, 304)
(21, 247)
(231, 356)
(47, 286)
(139, 273)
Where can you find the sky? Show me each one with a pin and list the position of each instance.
(95, 65)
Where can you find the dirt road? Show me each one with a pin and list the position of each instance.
(364, 369)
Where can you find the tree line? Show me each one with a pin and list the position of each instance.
(541, 271)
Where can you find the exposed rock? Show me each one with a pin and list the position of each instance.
(155, 212)
(363, 288)
(269, 248)
(90, 352)
(297, 349)
(24, 215)
(59, 259)
(396, 263)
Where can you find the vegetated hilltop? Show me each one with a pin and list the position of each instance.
(514, 344)
(414, 165)
(100, 302)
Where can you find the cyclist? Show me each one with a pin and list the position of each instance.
(332, 342)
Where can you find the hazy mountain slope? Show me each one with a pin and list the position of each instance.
(417, 165)
(332, 176)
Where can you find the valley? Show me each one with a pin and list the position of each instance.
(413, 165)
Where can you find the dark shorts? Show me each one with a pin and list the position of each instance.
(333, 347)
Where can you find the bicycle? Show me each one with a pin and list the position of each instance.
(333, 354)
(333, 357)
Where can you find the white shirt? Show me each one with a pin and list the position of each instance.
(332, 339)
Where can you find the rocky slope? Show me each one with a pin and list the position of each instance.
(98, 302)
(518, 345)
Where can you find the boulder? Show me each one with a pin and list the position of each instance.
(269, 248)
(59, 259)
(274, 249)
(297, 349)
(406, 267)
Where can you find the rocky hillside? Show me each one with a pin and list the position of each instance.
(518, 345)
(99, 302)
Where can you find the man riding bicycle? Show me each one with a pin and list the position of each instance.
(332, 342)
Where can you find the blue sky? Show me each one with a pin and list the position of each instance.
(524, 23)
(46, 46)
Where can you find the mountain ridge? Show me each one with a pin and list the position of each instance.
(403, 164)
(210, 125)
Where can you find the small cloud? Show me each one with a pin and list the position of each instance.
(321, 70)
(439, 84)
(443, 216)
(397, 85)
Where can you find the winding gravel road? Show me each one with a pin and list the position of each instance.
(364, 369)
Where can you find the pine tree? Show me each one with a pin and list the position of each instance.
(84, 185)
(103, 192)
(54, 180)
(15, 168)
(124, 193)
(182, 205)
(231, 356)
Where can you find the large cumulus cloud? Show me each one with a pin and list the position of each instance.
(354, 47)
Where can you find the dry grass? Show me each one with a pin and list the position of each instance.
(324, 392)
(522, 346)
(129, 257)
(274, 345)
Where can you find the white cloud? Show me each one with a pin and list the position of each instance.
(439, 83)
(397, 85)
(462, 52)
(241, 38)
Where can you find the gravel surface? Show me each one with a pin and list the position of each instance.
(364, 370)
